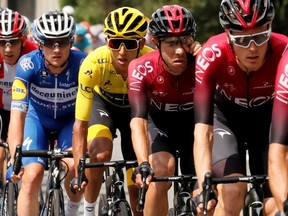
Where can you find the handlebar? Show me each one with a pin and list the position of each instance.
(142, 191)
(19, 153)
(207, 188)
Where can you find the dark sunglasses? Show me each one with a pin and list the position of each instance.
(11, 42)
(129, 44)
(183, 40)
(244, 41)
(56, 43)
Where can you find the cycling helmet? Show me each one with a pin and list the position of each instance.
(172, 20)
(126, 22)
(12, 24)
(80, 30)
(54, 24)
(242, 14)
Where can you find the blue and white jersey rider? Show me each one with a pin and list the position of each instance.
(48, 99)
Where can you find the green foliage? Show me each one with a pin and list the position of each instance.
(205, 12)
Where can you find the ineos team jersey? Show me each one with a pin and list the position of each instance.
(280, 107)
(217, 72)
(7, 75)
(50, 96)
(154, 90)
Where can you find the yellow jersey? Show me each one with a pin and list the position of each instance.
(98, 73)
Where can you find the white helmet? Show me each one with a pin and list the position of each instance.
(54, 24)
(68, 9)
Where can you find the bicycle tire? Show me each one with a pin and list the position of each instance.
(171, 212)
(9, 202)
(103, 205)
(55, 204)
(123, 209)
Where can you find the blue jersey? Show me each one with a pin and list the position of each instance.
(50, 97)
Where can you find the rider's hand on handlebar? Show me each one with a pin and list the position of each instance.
(16, 178)
(140, 171)
(74, 186)
(197, 202)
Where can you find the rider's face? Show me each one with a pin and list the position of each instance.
(252, 48)
(123, 51)
(56, 51)
(10, 49)
(174, 53)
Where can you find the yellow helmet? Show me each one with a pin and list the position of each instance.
(126, 22)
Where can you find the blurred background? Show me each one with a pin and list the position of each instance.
(94, 11)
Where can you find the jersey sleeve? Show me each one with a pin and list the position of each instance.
(20, 89)
(280, 107)
(137, 91)
(207, 62)
(87, 79)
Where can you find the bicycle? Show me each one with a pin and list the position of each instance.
(54, 198)
(9, 193)
(253, 203)
(183, 186)
(113, 202)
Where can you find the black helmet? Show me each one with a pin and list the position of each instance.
(172, 20)
(242, 14)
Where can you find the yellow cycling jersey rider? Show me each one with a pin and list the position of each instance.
(97, 72)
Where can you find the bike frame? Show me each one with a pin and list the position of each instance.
(114, 182)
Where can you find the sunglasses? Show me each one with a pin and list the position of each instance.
(56, 43)
(244, 41)
(129, 44)
(183, 40)
(11, 42)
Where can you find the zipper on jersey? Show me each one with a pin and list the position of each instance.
(247, 93)
(55, 99)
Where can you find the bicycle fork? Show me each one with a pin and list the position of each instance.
(253, 202)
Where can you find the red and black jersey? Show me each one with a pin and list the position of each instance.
(220, 80)
(154, 90)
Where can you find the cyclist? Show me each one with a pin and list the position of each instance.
(43, 101)
(278, 149)
(161, 91)
(235, 73)
(102, 101)
(13, 44)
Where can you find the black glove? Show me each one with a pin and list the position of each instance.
(199, 199)
(75, 181)
(144, 169)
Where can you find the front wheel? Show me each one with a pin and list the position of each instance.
(55, 204)
(103, 205)
(171, 212)
(123, 209)
(10, 194)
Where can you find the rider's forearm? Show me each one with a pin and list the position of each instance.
(79, 141)
(16, 130)
(139, 133)
(278, 173)
(202, 151)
